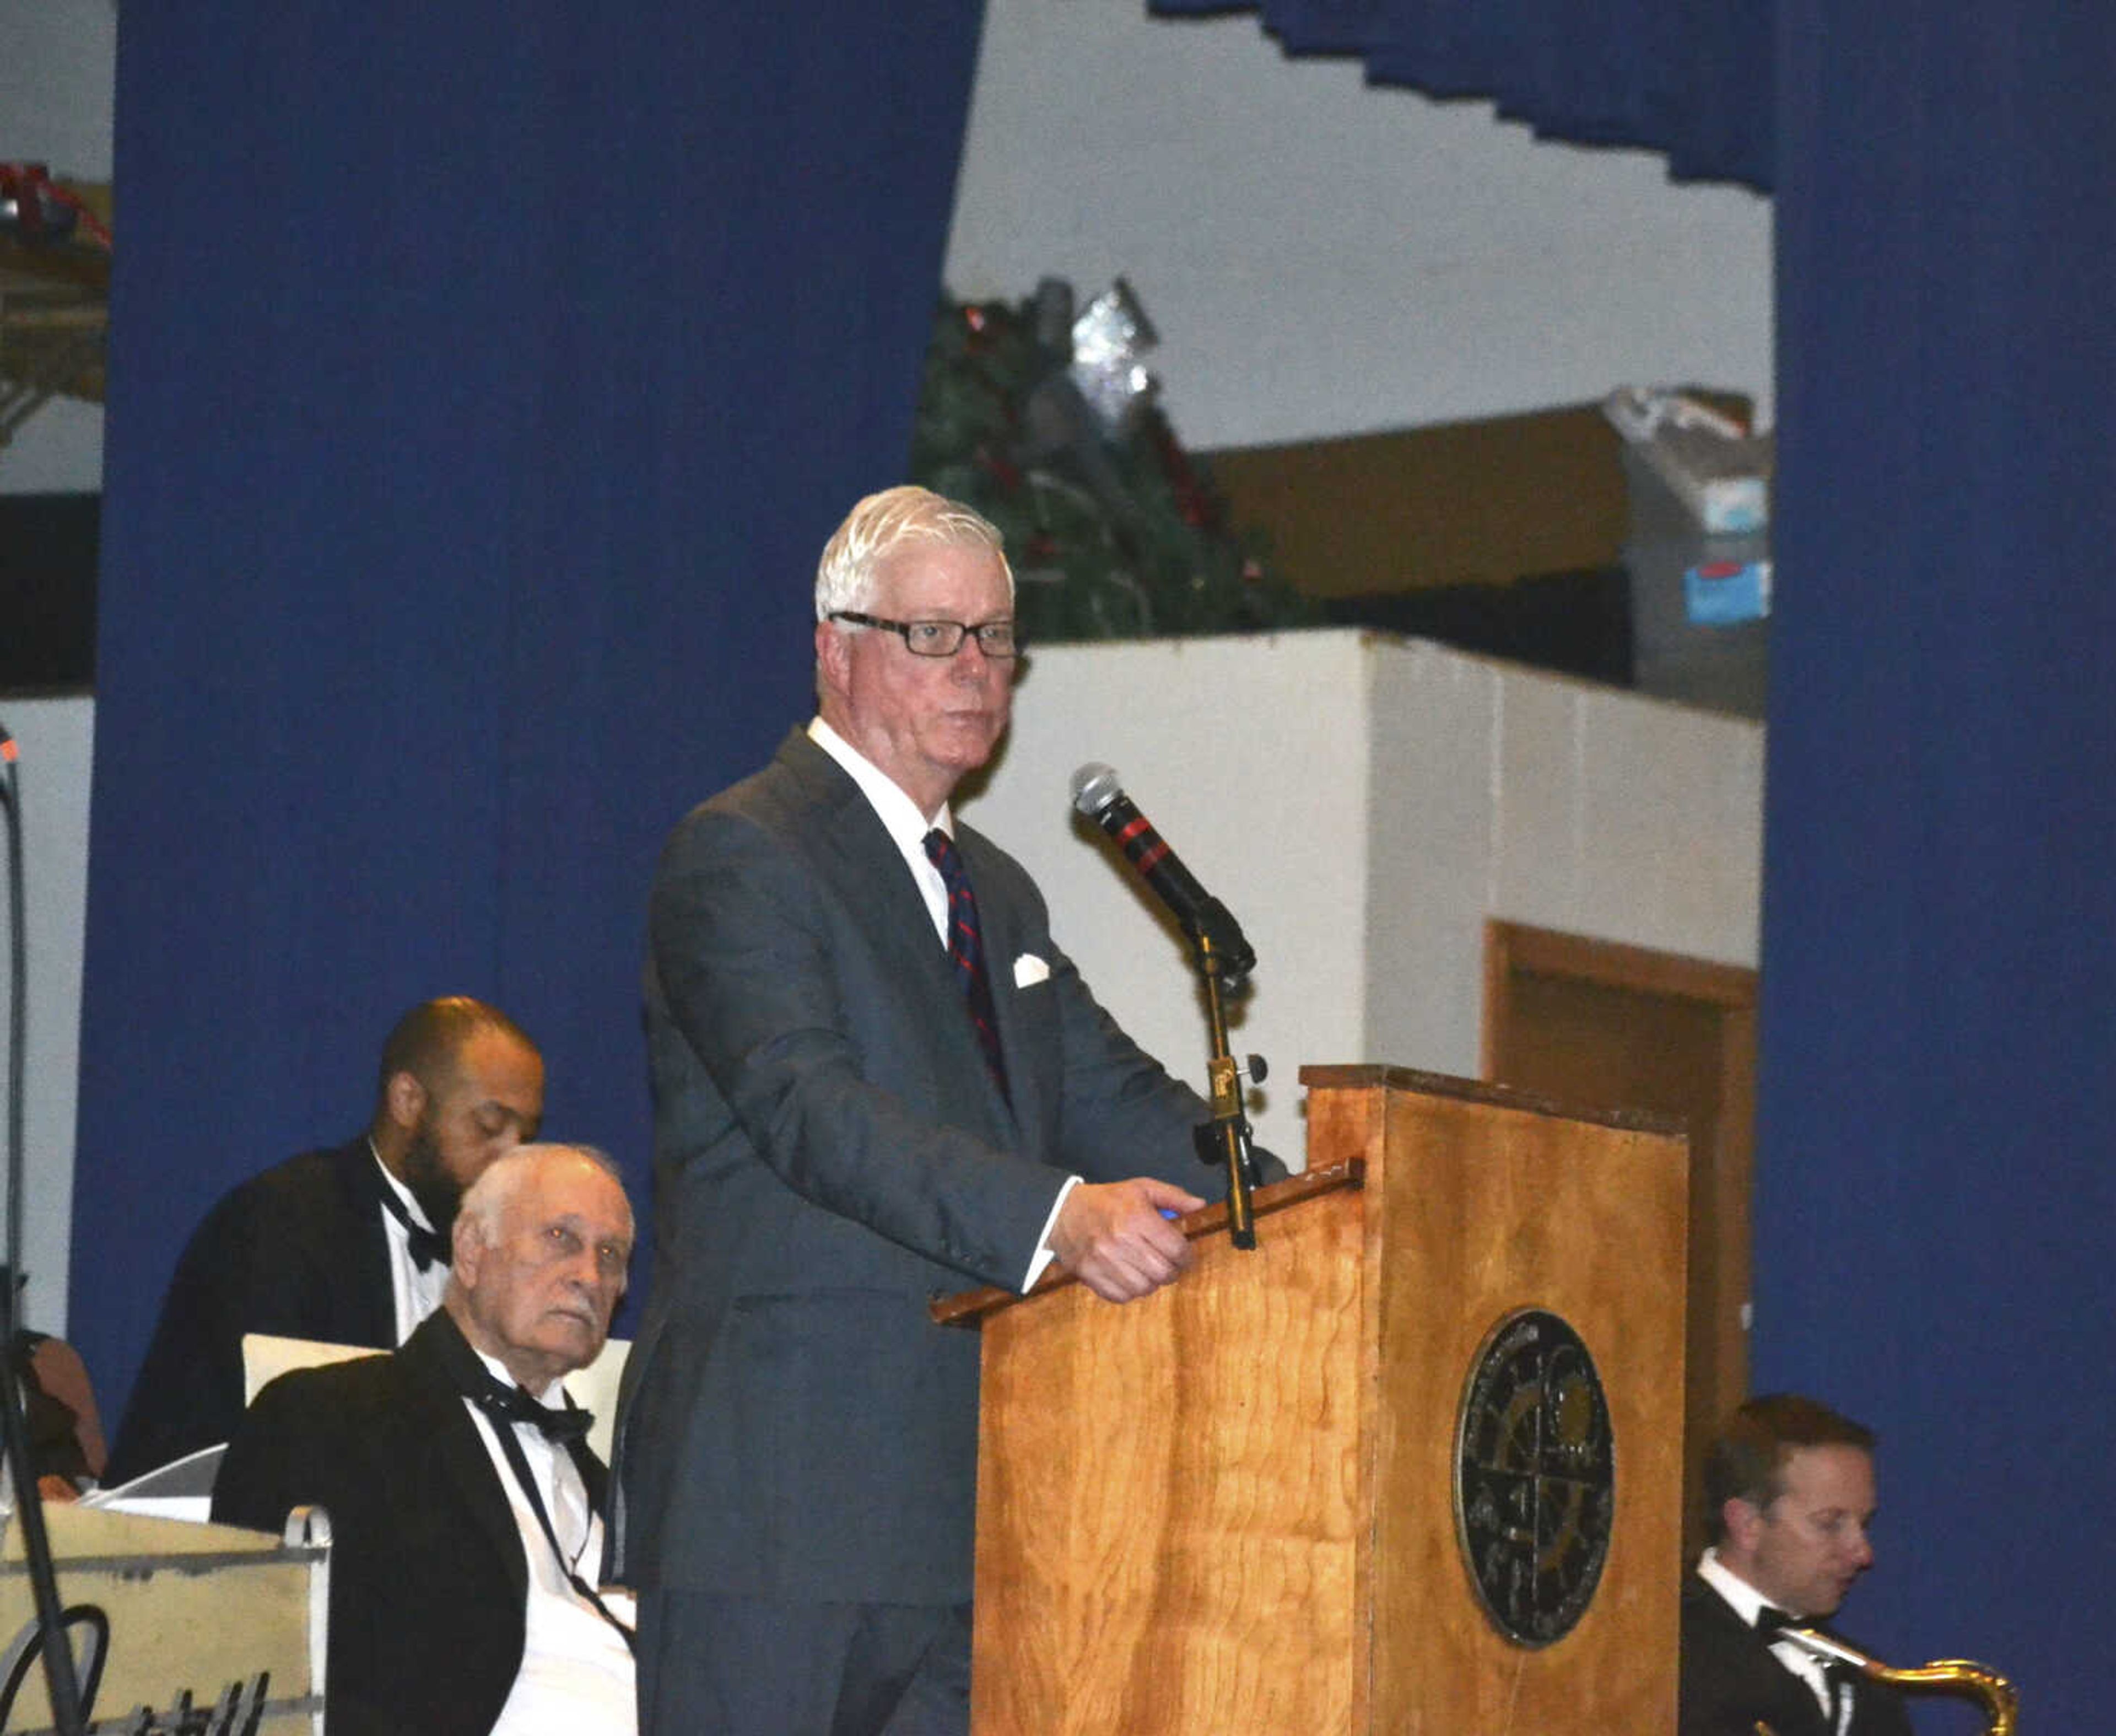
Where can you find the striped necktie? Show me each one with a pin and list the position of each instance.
(966, 949)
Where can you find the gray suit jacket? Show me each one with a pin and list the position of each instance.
(830, 1151)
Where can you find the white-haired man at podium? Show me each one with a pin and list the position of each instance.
(876, 1075)
(466, 1509)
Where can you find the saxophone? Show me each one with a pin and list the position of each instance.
(1947, 1676)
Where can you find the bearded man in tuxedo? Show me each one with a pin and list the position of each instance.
(345, 1245)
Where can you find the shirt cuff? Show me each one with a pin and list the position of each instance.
(1044, 1255)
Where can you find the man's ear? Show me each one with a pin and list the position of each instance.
(1743, 1521)
(833, 656)
(406, 1100)
(466, 1249)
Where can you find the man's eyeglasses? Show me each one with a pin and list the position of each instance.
(995, 639)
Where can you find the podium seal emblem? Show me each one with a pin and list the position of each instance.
(1534, 1477)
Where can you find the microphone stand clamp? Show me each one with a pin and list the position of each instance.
(1223, 1142)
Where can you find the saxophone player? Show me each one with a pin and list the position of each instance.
(1789, 1497)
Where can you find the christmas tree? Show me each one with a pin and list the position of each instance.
(1046, 423)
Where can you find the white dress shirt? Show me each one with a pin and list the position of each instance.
(414, 1294)
(577, 1673)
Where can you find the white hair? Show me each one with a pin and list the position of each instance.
(882, 523)
(486, 1202)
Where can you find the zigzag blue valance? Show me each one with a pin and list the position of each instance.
(1694, 82)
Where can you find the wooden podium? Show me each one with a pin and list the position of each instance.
(1230, 1509)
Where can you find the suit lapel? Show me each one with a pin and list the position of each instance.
(1788, 1704)
(371, 1303)
(1003, 943)
(595, 1475)
(855, 852)
(459, 1450)
(1799, 1714)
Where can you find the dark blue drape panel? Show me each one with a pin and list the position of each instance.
(1692, 81)
(1934, 1202)
(486, 378)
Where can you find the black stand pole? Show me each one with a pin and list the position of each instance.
(59, 1676)
(18, 1022)
(60, 1681)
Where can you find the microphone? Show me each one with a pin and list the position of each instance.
(1098, 794)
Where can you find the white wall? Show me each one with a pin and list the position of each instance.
(1501, 792)
(57, 62)
(1321, 258)
(1363, 805)
(55, 736)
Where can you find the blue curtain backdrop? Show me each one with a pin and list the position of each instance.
(1935, 1195)
(1690, 81)
(487, 379)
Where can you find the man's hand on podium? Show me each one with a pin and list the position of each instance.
(1118, 1239)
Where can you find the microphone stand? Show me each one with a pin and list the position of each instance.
(60, 1679)
(1223, 1140)
(1224, 962)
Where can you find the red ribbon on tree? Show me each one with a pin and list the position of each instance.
(38, 200)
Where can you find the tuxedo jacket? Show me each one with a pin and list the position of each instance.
(429, 1582)
(299, 1250)
(1731, 1681)
(831, 1150)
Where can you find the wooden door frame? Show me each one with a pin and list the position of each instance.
(1511, 947)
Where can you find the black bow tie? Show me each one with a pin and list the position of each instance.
(1770, 1619)
(513, 1404)
(429, 1247)
(503, 1402)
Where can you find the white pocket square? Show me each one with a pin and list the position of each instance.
(1029, 970)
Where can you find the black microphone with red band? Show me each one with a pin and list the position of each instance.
(1098, 794)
